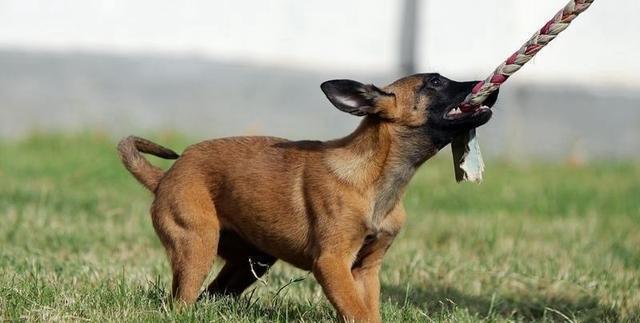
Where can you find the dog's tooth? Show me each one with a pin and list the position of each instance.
(454, 112)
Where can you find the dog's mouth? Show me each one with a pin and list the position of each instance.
(462, 111)
(457, 111)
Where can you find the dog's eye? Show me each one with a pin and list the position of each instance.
(435, 81)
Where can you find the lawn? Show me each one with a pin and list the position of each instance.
(542, 242)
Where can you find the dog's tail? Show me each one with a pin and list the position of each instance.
(148, 175)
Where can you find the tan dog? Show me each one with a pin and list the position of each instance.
(330, 207)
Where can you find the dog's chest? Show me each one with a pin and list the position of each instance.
(381, 234)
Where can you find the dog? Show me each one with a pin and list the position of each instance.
(332, 208)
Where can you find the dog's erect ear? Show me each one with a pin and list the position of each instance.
(354, 97)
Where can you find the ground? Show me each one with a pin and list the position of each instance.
(549, 242)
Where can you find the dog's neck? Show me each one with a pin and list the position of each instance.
(380, 156)
(359, 158)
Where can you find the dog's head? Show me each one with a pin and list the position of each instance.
(423, 104)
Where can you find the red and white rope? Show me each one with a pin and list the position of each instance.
(539, 40)
(468, 162)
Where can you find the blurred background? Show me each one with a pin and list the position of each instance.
(551, 235)
(217, 68)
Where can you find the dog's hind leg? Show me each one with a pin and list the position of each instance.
(244, 265)
(235, 277)
(189, 229)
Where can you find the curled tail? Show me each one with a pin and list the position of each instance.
(148, 175)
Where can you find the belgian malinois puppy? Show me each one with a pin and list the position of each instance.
(330, 207)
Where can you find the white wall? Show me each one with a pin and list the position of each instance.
(312, 34)
(462, 38)
(599, 47)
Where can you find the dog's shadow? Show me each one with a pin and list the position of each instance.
(531, 306)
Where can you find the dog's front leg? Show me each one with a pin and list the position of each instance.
(366, 273)
(333, 272)
(368, 284)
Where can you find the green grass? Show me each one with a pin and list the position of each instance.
(543, 242)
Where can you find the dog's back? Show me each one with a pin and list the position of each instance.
(266, 182)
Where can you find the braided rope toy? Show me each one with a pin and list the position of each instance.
(468, 162)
